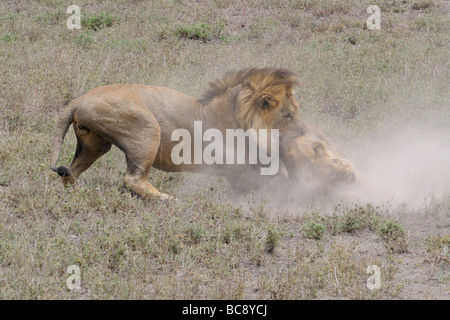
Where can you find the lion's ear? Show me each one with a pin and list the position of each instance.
(319, 149)
(267, 101)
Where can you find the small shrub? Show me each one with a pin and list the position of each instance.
(350, 223)
(98, 22)
(394, 236)
(271, 241)
(438, 249)
(354, 218)
(200, 31)
(313, 230)
(391, 230)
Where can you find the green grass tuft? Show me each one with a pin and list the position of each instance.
(313, 230)
(99, 21)
(201, 31)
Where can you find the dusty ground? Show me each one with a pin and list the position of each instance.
(380, 95)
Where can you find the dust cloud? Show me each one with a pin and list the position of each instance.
(405, 163)
(408, 165)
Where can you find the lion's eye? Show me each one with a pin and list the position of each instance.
(288, 116)
(336, 161)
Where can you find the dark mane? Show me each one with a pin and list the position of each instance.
(266, 77)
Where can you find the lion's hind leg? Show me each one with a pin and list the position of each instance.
(138, 172)
(140, 153)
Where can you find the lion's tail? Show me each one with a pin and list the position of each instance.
(64, 122)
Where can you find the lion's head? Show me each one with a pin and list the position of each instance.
(260, 98)
(311, 161)
(330, 168)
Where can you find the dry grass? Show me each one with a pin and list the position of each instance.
(208, 246)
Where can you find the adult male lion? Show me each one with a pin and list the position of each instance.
(140, 120)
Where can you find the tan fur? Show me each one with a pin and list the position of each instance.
(140, 120)
(312, 161)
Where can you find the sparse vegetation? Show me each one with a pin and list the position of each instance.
(214, 243)
(200, 31)
(439, 249)
(272, 239)
(349, 220)
(99, 21)
(9, 37)
(337, 269)
(422, 5)
(84, 40)
(394, 235)
(313, 230)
